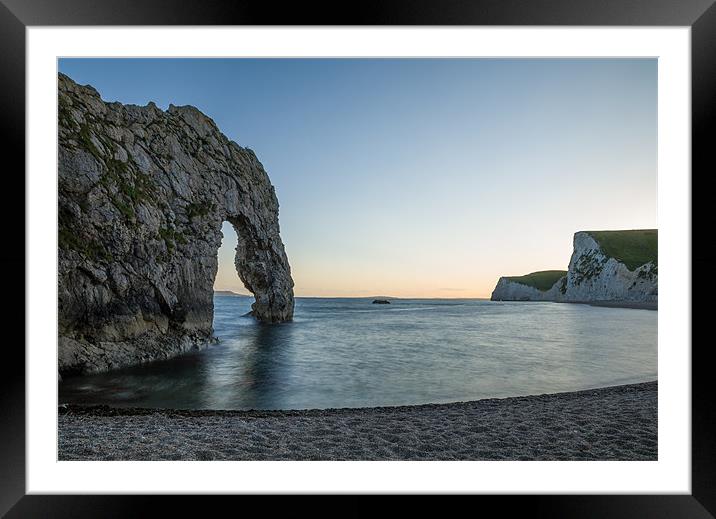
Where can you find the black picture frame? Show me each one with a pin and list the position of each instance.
(17, 15)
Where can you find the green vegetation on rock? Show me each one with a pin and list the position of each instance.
(64, 113)
(84, 137)
(542, 280)
(201, 209)
(132, 187)
(634, 248)
(91, 249)
(589, 266)
(171, 237)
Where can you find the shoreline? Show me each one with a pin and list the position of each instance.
(108, 410)
(637, 305)
(611, 423)
(634, 305)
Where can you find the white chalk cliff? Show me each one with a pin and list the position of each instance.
(593, 276)
(510, 290)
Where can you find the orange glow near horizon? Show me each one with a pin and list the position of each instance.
(431, 275)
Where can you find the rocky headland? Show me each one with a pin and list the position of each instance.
(613, 268)
(536, 286)
(142, 194)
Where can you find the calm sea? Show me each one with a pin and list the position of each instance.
(351, 353)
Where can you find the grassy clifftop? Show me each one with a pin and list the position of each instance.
(542, 280)
(634, 248)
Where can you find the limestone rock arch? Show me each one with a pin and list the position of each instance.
(142, 194)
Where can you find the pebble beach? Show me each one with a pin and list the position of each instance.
(612, 423)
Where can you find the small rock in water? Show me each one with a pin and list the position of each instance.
(381, 302)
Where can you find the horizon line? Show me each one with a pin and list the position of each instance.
(356, 297)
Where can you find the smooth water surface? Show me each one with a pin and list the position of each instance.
(351, 353)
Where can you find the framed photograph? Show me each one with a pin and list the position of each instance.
(413, 251)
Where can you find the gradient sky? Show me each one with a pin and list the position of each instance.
(421, 177)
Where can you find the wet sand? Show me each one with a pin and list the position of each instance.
(614, 423)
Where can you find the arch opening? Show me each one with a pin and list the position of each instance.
(227, 278)
(249, 263)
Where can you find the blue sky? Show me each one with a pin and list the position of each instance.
(422, 177)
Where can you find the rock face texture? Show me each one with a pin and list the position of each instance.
(593, 276)
(142, 194)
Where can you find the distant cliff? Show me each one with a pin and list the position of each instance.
(142, 194)
(537, 286)
(229, 293)
(606, 266)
